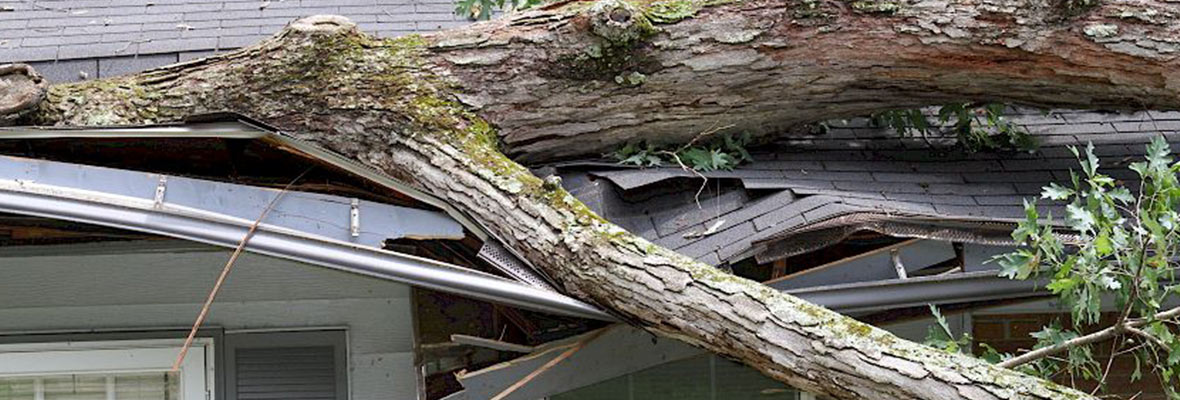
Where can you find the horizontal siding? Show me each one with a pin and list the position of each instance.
(58, 278)
(103, 292)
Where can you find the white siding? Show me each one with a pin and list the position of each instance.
(75, 289)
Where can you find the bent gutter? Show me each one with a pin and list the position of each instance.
(143, 215)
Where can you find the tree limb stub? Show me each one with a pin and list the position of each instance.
(418, 108)
(21, 90)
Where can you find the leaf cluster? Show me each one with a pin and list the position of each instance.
(1122, 257)
(724, 153)
(978, 126)
(941, 337)
(482, 9)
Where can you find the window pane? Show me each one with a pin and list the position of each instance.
(704, 377)
(124, 386)
(16, 389)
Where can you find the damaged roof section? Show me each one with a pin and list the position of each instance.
(218, 178)
(855, 178)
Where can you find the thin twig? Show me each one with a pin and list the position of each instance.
(1109, 364)
(229, 264)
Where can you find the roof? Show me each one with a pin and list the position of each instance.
(857, 177)
(47, 30)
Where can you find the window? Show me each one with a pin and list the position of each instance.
(705, 377)
(106, 370)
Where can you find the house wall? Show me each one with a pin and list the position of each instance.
(131, 286)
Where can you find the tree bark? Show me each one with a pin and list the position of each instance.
(440, 111)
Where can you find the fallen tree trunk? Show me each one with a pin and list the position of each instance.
(579, 78)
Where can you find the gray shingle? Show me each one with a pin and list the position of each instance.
(67, 70)
(298, 12)
(882, 187)
(794, 209)
(859, 164)
(828, 211)
(1040, 165)
(775, 184)
(933, 198)
(100, 50)
(126, 65)
(823, 175)
(28, 54)
(990, 188)
(1072, 129)
(1013, 200)
(917, 177)
(676, 220)
(233, 42)
(177, 45)
(13, 24)
(266, 25)
(971, 166)
(716, 241)
(1007, 212)
(192, 55)
(760, 206)
(1013, 176)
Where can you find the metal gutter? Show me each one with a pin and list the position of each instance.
(145, 213)
(233, 126)
(373, 175)
(312, 214)
(219, 129)
(920, 291)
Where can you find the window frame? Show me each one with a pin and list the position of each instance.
(99, 357)
(337, 338)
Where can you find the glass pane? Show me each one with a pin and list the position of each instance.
(738, 382)
(698, 378)
(123, 386)
(679, 380)
(16, 389)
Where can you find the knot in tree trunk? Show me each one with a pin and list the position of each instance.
(618, 21)
(322, 24)
(21, 90)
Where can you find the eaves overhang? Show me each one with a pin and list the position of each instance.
(70, 192)
(235, 126)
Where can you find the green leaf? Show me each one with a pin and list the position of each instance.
(697, 158)
(1103, 245)
(1079, 218)
(1056, 192)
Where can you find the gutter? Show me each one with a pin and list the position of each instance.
(41, 197)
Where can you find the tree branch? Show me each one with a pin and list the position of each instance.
(1131, 326)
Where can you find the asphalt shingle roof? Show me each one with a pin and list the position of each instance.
(856, 168)
(40, 30)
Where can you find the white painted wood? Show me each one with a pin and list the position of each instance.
(70, 358)
(598, 361)
(879, 264)
(168, 278)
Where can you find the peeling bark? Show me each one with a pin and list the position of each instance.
(580, 78)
